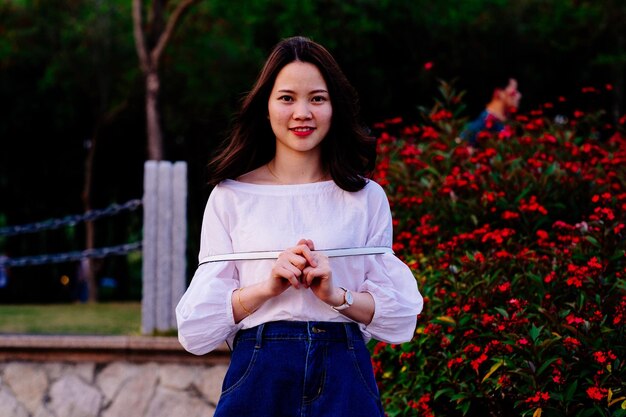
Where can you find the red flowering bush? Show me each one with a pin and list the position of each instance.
(518, 247)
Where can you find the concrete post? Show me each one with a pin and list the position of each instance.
(164, 248)
(150, 216)
(164, 244)
(179, 236)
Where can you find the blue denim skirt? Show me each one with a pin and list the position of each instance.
(300, 369)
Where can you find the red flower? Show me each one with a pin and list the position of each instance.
(597, 393)
(571, 343)
(422, 406)
(532, 205)
(539, 398)
(510, 215)
(475, 364)
(603, 357)
(454, 362)
(572, 319)
(441, 115)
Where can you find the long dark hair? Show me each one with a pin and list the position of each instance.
(348, 152)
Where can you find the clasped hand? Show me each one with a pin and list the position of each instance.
(300, 266)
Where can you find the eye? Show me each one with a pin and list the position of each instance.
(319, 99)
(285, 98)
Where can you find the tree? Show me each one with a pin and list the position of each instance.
(150, 43)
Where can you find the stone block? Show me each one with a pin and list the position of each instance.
(29, 383)
(70, 396)
(135, 393)
(10, 406)
(114, 377)
(177, 376)
(168, 403)
(209, 382)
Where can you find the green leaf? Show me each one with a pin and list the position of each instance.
(441, 392)
(523, 194)
(545, 365)
(571, 390)
(535, 331)
(459, 397)
(465, 407)
(502, 311)
(493, 368)
(593, 241)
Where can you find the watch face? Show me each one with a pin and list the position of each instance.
(349, 298)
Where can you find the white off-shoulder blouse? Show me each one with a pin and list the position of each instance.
(244, 217)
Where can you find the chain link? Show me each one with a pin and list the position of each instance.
(71, 220)
(6, 262)
(113, 209)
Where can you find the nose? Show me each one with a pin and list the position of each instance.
(302, 111)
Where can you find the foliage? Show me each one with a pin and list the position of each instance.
(69, 74)
(518, 247)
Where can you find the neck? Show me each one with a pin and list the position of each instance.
(296, 170)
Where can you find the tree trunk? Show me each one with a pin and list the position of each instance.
(86, 274)
(87, 269)
(153, 125)
(149, 57)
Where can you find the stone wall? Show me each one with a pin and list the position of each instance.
(108, 388)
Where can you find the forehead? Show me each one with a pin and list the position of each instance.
(299, 75)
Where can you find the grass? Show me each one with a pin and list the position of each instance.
(75, 319)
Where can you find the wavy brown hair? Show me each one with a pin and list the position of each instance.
(348, 151)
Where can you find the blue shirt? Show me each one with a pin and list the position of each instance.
(485, 122)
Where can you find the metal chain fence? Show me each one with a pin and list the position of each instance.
(51, 224)
(70, 220)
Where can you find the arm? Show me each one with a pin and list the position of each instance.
(320, 279)
(389, 280)
(204, 314)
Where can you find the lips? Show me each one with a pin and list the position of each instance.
(302, 130)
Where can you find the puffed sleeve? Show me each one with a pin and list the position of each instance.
(204, 314)
(390, 282)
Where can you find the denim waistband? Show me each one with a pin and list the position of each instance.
(302, 330)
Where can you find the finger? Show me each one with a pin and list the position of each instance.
(289, 257)
(308, 255)
(290, 275)
(309, 275)
(307, 242)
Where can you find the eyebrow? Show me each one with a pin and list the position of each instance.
(310, 92)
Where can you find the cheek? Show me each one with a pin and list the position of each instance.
(325, 115)
(277, 115)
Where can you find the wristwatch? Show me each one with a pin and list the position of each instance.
(348, 299)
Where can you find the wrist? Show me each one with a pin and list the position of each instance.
(267, 290)
(342, 298)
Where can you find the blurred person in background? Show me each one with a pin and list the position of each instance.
(504, 102)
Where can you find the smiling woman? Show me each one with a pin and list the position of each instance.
(293, 179)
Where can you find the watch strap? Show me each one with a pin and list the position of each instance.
(345, 300)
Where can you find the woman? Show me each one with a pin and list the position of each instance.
(293, 178)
